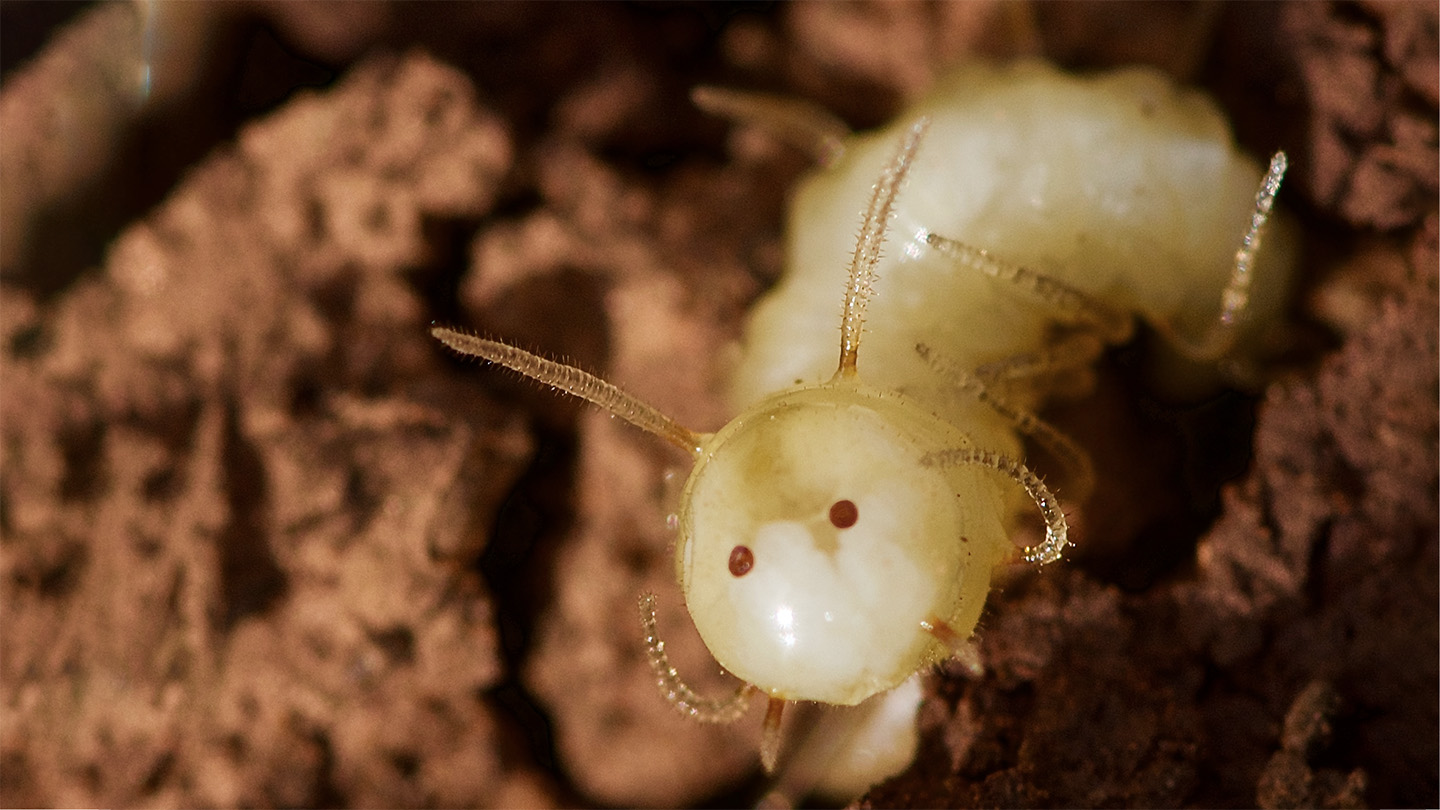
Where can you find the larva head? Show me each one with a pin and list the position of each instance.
(815, 541)
(822, 531)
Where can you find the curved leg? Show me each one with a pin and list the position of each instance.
(676, 692)
(795, 121)
(1068, 353)
(1056, 529)
(1074, 306)
(1066, 302)
(1056, 443)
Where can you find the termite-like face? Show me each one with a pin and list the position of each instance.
(814, 543)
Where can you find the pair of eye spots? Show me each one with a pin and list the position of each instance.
(843, 515)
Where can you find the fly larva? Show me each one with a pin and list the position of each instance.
(840, 533)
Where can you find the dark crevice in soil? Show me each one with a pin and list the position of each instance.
(327, 793)
(251, 580)
(517, 566)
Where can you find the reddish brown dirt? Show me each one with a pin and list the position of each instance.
(263, 543)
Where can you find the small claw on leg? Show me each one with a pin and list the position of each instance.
(965, 651)
(770, 740)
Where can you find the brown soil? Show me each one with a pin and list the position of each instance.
(264, 543)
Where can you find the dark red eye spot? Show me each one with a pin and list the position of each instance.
(843, 514)
(742, 559)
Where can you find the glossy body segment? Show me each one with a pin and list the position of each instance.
(828, 613)
(1121, 185)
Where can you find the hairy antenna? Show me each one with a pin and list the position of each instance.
(575, 382)
(1236, 296)
(867, 248)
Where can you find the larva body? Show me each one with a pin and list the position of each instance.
(1122, 185)
(841, 532)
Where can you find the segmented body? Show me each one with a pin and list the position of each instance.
(841, 532)
(1104, 198)
(1123, 185)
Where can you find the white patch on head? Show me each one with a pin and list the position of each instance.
(836, 619)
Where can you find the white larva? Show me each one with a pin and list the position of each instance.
(840, 533)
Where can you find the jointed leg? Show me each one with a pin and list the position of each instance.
(795, 121)
(1067, 303)
(1056, 529)
(1075, 459)
(1074, 351)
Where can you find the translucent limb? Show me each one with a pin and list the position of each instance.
(1056, 529)
(676, 692)
(1062, 447)
(1069, 352)
(575, 382)
(1236, 296)
(1067, 303)
(770, 736)
(797, 122)
(867, 249)
(964, 650)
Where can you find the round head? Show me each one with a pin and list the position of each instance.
(814, 542)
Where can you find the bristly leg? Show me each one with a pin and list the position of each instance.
(795, 121)
(1073, 351)
(1065, 303)
(1056, 529)
(1062, 447)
